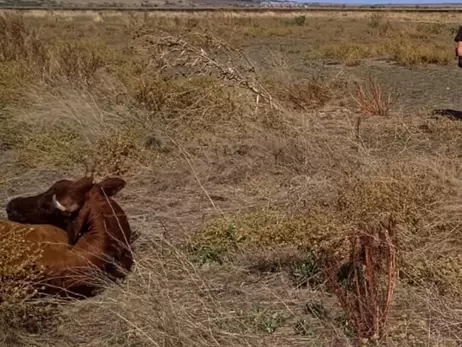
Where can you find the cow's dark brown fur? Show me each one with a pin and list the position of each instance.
(103, 246)
(42, 209)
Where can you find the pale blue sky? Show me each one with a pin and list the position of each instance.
(385, 1)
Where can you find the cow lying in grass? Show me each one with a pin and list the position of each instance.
(84, 206)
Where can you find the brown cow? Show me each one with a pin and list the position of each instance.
(103, 246)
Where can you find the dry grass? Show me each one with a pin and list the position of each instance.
(19, 276)
(243, 171)
(410, 53)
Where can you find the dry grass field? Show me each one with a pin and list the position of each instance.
(255, 148)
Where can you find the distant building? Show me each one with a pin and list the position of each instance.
(285, 4)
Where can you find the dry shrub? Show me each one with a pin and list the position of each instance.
(153, 93)
(292, 91)
(349, 53)
(407, 53)
(20, 43)
(198, 88)
(372, 100)
(380, 27)
(199, 54)
(441, 268)
(17, 265)
(198, 110)
(77, 62)
(304, 94)
(177, 100)
(416, 195)
(366, 298)
(408, 45)
(120, 152)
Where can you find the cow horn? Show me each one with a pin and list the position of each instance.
(57, 204)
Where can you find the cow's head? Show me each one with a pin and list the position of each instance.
(62, 200)
(96, 210)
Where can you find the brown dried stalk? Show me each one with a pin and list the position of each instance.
(206, 54)
(370, 99)
(367, 300)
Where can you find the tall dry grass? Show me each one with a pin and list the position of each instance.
(242, 175)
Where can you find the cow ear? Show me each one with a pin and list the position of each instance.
(112, 185)
(83, 185)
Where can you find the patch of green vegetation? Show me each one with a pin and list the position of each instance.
(299, 20)
(59, 146)
(360, 200)
(307, 272)
(260, 320)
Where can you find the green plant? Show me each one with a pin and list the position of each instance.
(375, 20)
(307, 273)
(58, 145)
(261, 320)
(300, 20)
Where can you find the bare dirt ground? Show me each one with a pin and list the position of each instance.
(252, 148)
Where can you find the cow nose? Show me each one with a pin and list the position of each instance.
(8, 209)
(11, 213)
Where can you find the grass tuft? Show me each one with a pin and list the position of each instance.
(371, 99)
